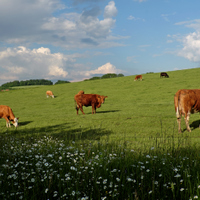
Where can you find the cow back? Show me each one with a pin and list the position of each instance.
(49, 92)
(6, 111)
(187, 100)
(138, 77)
(86, 99)
(164, 74)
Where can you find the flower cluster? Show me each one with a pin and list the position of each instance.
(48, 168)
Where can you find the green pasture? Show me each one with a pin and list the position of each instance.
(139, 112)
(130, 149)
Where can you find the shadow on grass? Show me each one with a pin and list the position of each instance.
(106, 111)
(195, 124)
(24, 123)
(61, 131)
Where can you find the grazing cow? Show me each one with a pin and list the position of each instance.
(7, 113)
(186, 102)
(164, 74)
(93, 100)
(49, 94)
(138, 77)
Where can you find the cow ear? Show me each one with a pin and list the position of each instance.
(17, 118)
(106, 96)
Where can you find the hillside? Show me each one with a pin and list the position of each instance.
(135, 111)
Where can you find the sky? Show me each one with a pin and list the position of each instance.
(74, 40)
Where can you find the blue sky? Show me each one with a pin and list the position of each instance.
(75, 40)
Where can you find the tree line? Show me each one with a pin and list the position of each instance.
(109, 75)
(26, 83)
(48, 82)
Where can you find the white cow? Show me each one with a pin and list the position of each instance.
(7, 113)
(49, 94)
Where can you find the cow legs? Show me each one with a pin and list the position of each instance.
(93, 109)
(77, 110)
(187, 117)
(81, 108)
(7, 122)
(179, 125)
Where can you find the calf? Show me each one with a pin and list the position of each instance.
(49, 94)
(7, 113)
(138, 77)
(93, 100)
(164, 74)
(186, 102)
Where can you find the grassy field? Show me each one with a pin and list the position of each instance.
(135, 111)
(131, 141)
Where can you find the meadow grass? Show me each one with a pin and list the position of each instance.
(130, 149)
(44, 167)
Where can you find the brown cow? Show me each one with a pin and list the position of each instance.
(7, 113)
(49, 94)
(138, 77)
(186, 102)
(164, 74)
(93, 100)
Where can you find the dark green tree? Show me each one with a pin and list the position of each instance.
(109, 75)
(61, 82)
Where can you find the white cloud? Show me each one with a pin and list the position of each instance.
(131, 18)
(57, 72)
(69, 30)
(40, 23)
(23, 63)
(110, 10)
(191, 41)
(140, 0)
(191, 47)
(20, 20)
(134, 18)
(194, 24)
(104, 69)
(167, 16)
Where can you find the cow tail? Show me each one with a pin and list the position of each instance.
(177, 104)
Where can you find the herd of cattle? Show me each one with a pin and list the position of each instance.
(186, 102)
(162, 74)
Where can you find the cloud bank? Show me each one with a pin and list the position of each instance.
(191, 42)
(21, 63)
(33, 22)
(35, 27)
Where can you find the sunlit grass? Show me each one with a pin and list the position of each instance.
(130, 149)
(49, 168)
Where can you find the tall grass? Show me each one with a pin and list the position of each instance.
(49, 168)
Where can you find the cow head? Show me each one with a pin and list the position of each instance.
(101, 99)
(15, 122)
